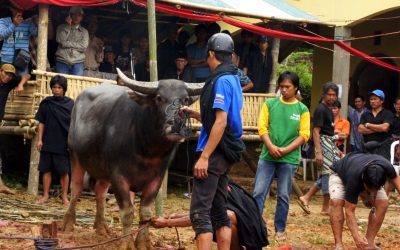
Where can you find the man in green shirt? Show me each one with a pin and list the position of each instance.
(284, 125)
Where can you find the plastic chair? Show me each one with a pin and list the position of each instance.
(305, 154)
(392, 154)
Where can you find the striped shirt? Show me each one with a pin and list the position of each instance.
(15, 37)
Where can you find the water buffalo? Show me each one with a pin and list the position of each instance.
(125, 140)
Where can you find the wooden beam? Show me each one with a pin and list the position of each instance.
(341, 68)
(275, 56)
(42, 36)
(33, 181)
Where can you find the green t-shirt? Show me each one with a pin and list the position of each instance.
(286, 121)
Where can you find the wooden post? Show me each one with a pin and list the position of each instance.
(151, 20)
(33, 181)
(276, 43)
(341, 68)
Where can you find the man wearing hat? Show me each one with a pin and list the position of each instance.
(9, 81)
(259, 66)
(16, 31)
(181, 70)
(72, 41)
(375, 125)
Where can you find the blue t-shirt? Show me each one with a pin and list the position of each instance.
(198, 53)
(228, 98)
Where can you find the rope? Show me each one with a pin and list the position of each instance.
(47, 244)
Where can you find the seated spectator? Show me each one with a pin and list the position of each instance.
(248, 227)
(245, 81)
(197, 54)
(142, 52)
(54, 116)
(395, 128)
(9, 81)
(16, 31)
(181, 71)
(73, 41)
(109, 64)
(123, 54)
(342, 126)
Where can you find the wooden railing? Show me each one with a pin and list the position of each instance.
(24, 107)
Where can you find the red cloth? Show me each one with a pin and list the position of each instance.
(74, 2)
(23, 4)
(202, 16)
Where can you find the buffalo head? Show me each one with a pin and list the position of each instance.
(168, 96)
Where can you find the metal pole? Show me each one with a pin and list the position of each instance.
(151, 19)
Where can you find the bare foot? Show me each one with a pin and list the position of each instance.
(303, 200)
(42, 200)
(65, 201)
(6, 190)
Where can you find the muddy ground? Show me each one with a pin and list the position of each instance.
(304, 231)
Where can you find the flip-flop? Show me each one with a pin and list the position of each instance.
(303, 206)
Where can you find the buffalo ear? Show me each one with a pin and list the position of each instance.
(193, 99)
(139, 98)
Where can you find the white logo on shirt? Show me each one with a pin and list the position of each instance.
(295, 117)
(219, 96)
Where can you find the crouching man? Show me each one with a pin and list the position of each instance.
(364, 175)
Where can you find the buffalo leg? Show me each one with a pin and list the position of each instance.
(148, 195)
(122, 194)
(101, 189)
(76, 188)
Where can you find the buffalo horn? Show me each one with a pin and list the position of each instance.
(148, 88)
(194, 88)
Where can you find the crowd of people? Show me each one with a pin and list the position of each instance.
(363, 170)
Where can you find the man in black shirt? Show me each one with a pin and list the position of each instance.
(8, 81)
(395, 127)
(375, 125)
(360, 174)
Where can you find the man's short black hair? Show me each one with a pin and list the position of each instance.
(291, 76)
(60, 80)
(330, 86)
(223, 57)
(337, 104)
(374, 176)
(199, 28)
(361, 97)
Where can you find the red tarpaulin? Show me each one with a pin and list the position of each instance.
(202, 16)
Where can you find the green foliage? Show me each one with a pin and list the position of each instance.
(300, 62)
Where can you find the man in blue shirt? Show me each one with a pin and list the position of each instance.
(219, 143)
(15, 31)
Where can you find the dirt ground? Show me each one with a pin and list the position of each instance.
(19, 216)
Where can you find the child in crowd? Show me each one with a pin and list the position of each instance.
(54, 116)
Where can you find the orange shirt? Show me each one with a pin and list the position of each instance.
(343, 126)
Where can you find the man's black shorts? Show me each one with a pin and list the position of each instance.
(50, 162)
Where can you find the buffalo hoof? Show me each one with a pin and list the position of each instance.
(101, 228)
(127, 244)
(68, 222)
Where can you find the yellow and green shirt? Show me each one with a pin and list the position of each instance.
(283, 122)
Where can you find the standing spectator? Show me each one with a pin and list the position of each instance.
(219, 143)
(197, 54)
(342, 126)
(375, 125)
(325, 148)
(9, 81)
(142, 71)
(182, 40)
(284, 125)
(73, 41)
(123, 59)
(142, 52)
(167, 50)
(181, 71)
(395, 128)
(246, 47)
(359, 174)
(94, 54)
(16, 31)
(356, 139)
(54, 116)
(259, 66)
(109, 64)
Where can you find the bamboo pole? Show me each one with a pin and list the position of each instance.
(275, 55)
(151, 17)
(42, 36)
